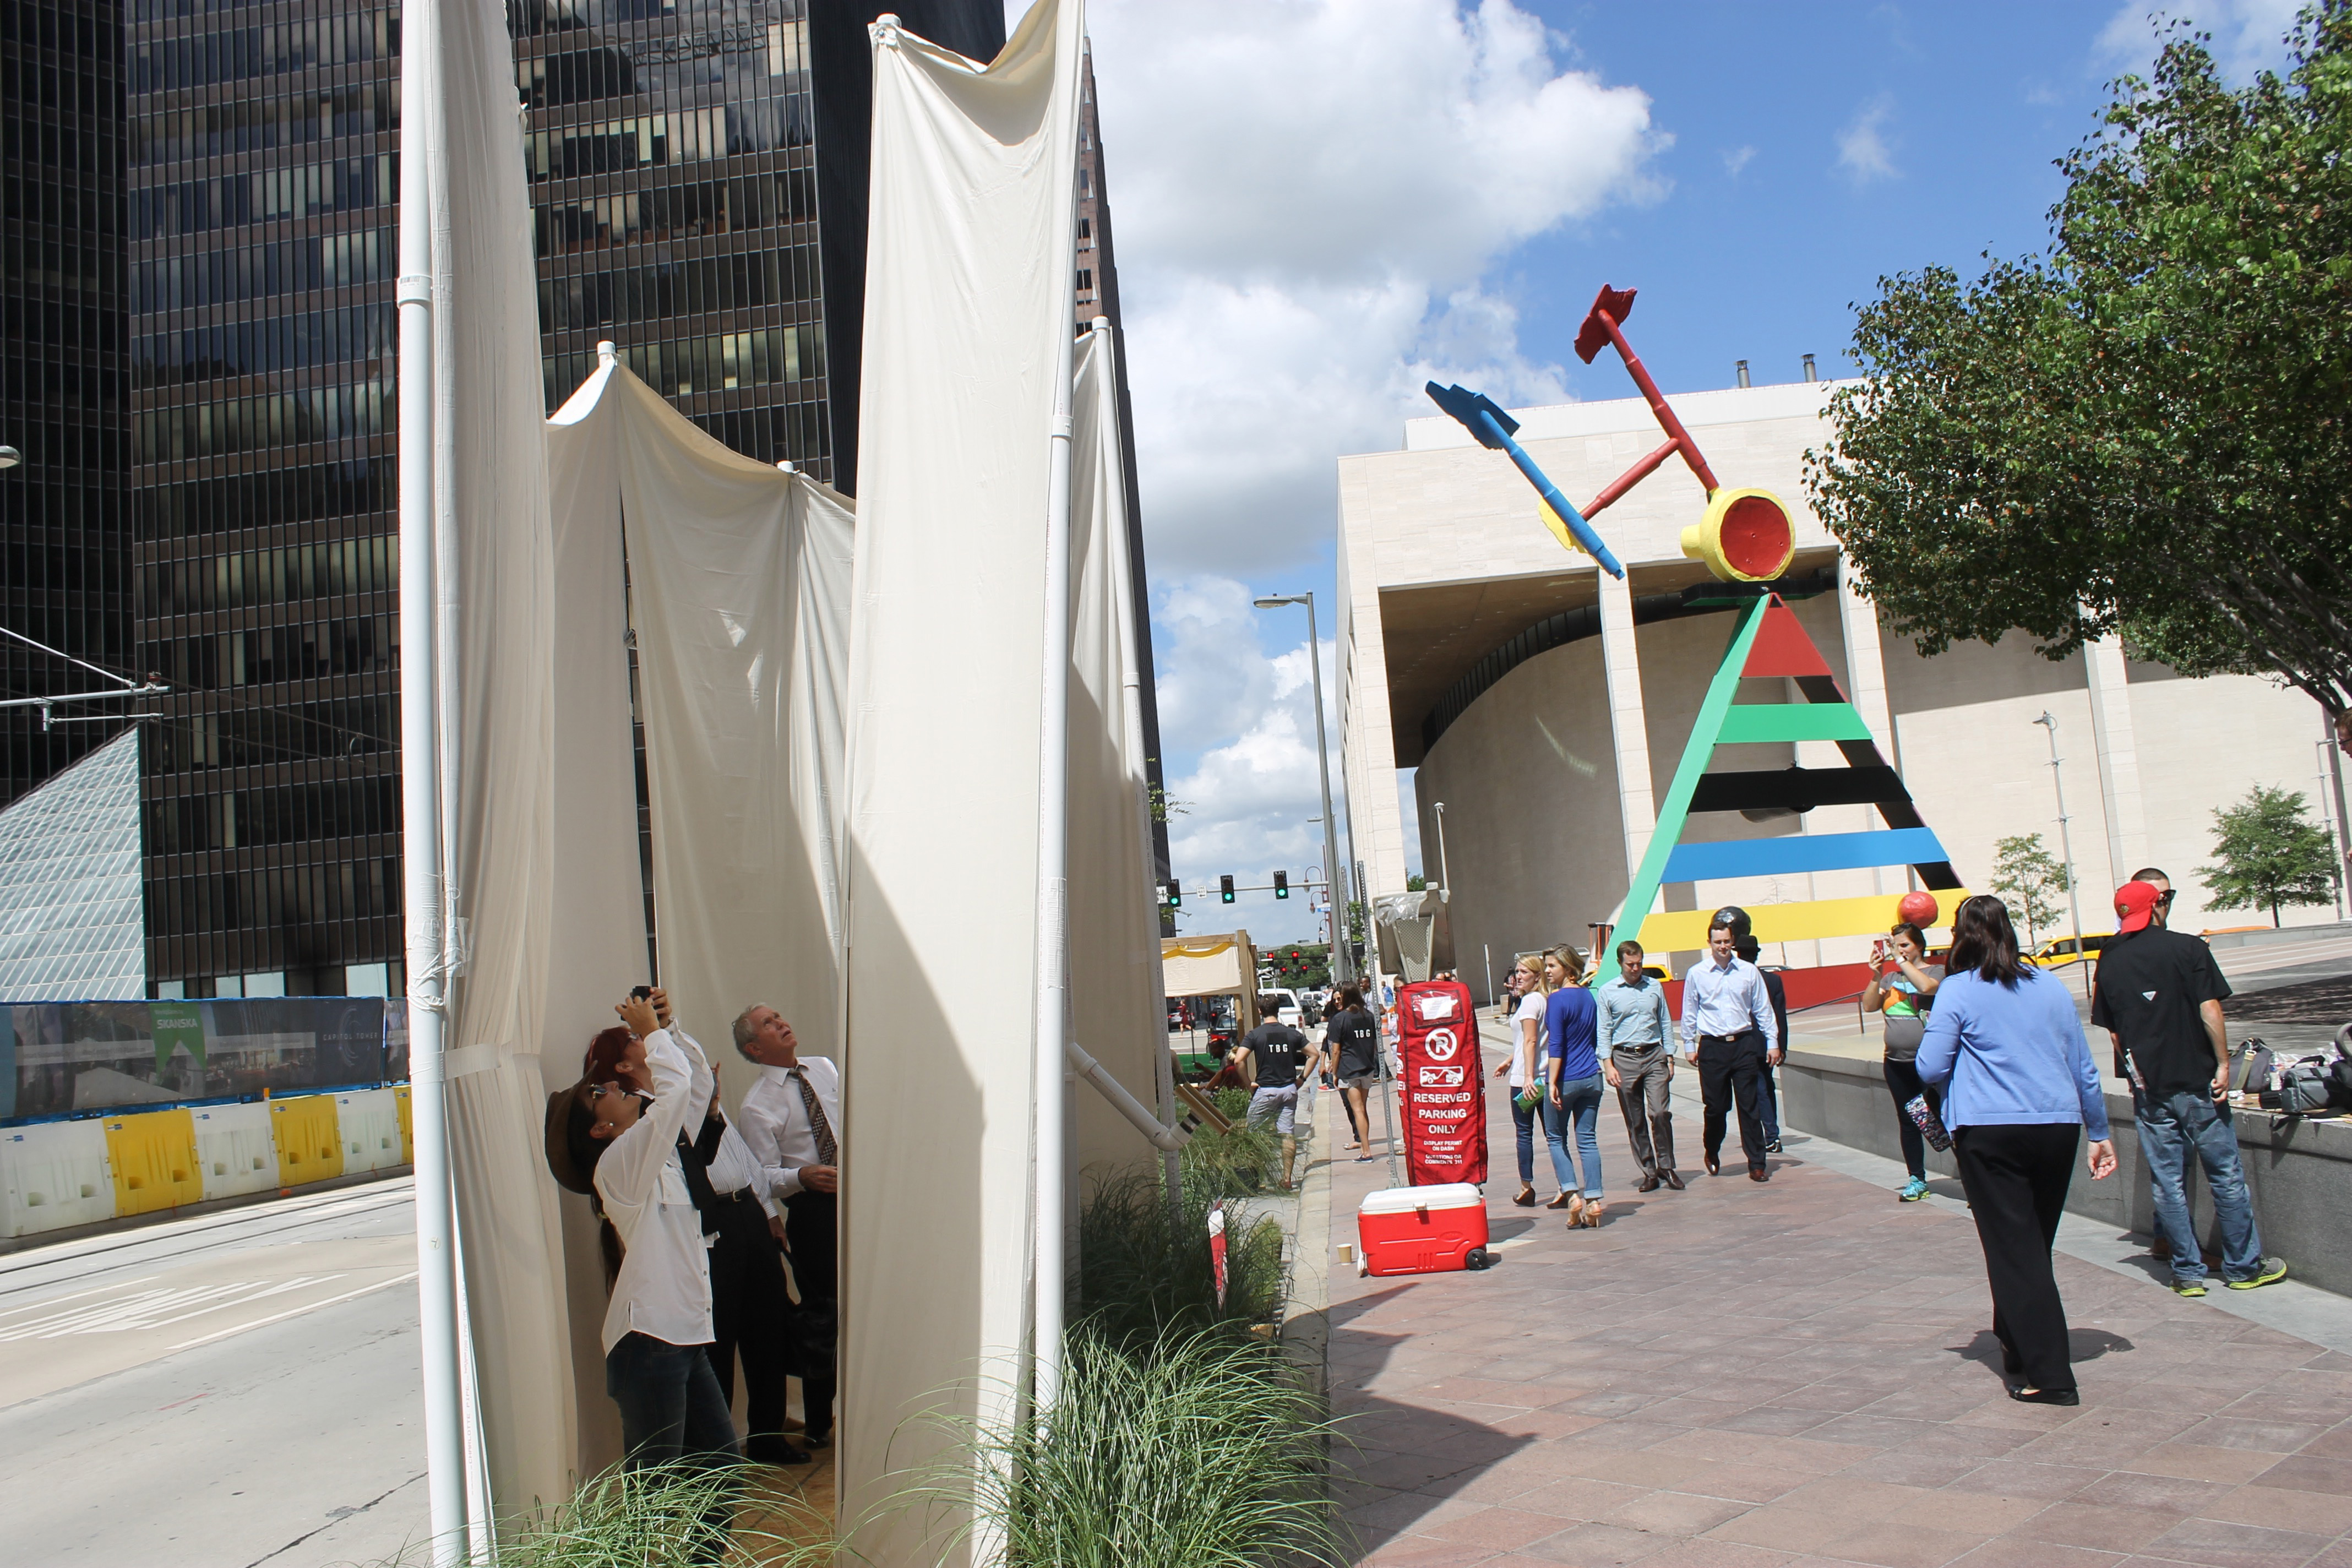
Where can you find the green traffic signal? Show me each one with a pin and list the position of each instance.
(1281, 884)
(1225, 889)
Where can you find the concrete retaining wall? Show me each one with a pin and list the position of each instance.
(2299, 1171)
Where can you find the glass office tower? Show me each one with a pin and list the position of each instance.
(65, 544)
(684, 159)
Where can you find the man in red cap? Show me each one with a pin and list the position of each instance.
(2158, 994)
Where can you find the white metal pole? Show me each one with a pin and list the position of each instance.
(1049, 1269)
(1323, 781)
(2066, 848)
(1444, 880)
(437, 1284)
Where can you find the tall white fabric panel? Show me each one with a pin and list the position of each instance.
(490, 477)
(1118, 1012)
(968, 263)
(599, 951)
(739, 591)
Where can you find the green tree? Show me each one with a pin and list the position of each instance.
(2143, 431)
(2267, 853)
(2029, 879)
(1415, 883)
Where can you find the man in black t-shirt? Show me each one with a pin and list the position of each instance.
(1279, 1057)
(2158, 995)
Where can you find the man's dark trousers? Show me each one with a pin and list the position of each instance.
(750, 1314)
(1727, 1069)
(812, 1224)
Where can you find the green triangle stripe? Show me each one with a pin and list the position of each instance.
(1674, 812)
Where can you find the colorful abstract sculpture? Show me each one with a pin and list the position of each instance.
(1769, 643)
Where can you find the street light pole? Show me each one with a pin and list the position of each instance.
(2066, 848)
(1444, 880)
(1322, 756)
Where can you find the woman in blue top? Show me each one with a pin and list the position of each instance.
(1571, 1025)
(2021, 1091)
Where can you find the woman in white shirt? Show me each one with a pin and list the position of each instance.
(657, 1329)
(1522, 1069)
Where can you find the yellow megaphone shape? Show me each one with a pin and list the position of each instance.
(1744, 537)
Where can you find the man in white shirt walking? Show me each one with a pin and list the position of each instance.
(657, 1329)
(791, 1120)
(1729, 1032)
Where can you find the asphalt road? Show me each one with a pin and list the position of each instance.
(219, 1392)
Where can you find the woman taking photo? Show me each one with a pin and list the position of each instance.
(1527, 1087)
(2022, 1091)
(1906, 996)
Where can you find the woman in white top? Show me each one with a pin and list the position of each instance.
(1522, 1068)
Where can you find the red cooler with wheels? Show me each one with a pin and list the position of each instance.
(1422, 1230)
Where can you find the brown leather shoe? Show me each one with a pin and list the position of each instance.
(1714, 1166)
(1672, 1179)
(1646, 1185)
(1758, 1174)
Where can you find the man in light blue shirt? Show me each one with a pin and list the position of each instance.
(1634, 1027)
(1729, 1031)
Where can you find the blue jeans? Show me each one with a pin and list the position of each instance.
(1579, 1102)
(2169, 1130)
(1524, 1122)
(671, 1408)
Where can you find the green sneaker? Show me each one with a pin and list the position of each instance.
(2189, 1286)
(2272, 1270)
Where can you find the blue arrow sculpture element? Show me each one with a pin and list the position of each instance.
(1493, 428)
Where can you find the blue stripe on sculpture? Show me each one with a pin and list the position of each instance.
(1815, 852)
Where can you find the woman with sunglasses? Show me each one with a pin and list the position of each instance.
(2021, 1089)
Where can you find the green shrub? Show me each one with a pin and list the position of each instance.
(1200, 1451)
(1144, 1271)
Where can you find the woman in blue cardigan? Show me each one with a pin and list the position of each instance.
(2022, 1089)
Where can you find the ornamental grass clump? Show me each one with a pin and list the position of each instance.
(1203, 1450)
(1144, 1269)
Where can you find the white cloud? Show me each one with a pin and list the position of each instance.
(1862, 149)
(1737, 159)
(1306, 197)
(1248, 798)
(2247, 34)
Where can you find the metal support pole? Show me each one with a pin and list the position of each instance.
(1445, 881)
(2334, 821)
(2066, 848)
(421, 858)
(1050, 1192)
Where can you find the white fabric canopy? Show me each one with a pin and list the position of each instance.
(968, 297)
(498, 617)
(736, 584)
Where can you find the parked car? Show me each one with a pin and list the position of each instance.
(1290, 1011)
(2059, 951)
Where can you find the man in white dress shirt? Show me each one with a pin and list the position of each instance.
(791, 1120)
(657, 1329)
(1729, 1033)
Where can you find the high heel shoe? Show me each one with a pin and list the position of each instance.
(1575, 1210)
(1593, 1209)
(1526, 1198)
(1560, 1201)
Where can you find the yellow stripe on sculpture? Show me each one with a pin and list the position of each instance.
(1684, 931)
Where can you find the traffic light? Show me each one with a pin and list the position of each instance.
(1281, 884)
(1175, 894)
(1225, 889)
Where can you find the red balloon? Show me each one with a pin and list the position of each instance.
(1918, 909)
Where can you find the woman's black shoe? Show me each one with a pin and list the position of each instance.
(2045, 1395)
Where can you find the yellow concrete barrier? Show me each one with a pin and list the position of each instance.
(310, 1144)
(153, 1159)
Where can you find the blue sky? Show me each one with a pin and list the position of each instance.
(1319, 203)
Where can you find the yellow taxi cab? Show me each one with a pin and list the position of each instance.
(2059, 951)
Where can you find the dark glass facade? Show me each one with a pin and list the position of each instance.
(263, 177)
(65, 543)
(699, 173)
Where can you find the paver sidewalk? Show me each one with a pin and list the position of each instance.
(1803, 1373)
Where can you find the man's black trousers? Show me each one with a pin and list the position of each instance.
(1729, 1070)
(750, 1315)
(2016, 1179)
(813, 1226)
